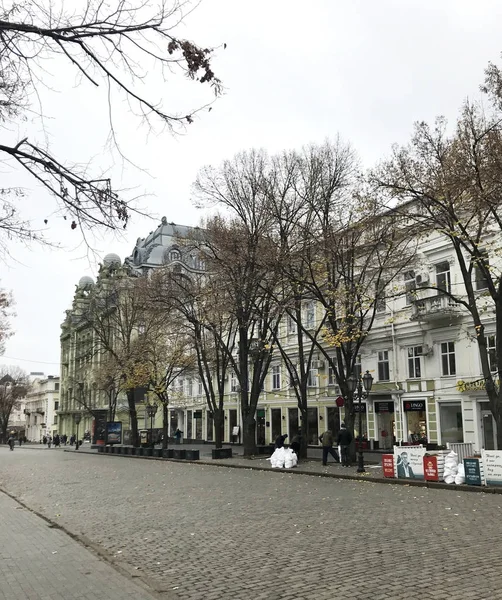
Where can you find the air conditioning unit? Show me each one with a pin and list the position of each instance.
(317, 364)
(426, 350)
(422, 278)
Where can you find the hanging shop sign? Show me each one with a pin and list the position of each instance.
(359, 407)
(384, 407)
(409, 462)
(340, 401)
(414, 405)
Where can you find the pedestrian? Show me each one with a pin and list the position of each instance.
(326, 440)
(177, 436)
(57, 441)
(72, 439)
(11, 441)
(49, 441)
(296, 444)
(279, 440)
(343, 441)
(20, 441)
(44, 440)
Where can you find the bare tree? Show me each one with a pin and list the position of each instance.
(6, 304)
(14, 385)
(112, 44)
(449, 184)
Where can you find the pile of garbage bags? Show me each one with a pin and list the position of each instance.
(283, 458)
(453, 471)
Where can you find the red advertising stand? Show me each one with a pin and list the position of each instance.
(431, 472)
(388, 465)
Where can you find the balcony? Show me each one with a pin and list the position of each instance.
(435, 308)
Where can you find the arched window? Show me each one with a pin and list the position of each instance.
(174, 254)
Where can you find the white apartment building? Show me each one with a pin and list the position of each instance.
(422, 352)
(41, 404)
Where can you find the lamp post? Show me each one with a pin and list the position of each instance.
(151, 411)
(78, 418)
(356, 385)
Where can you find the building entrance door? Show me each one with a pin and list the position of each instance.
(489, 430)
(386, 430)
(260, 427)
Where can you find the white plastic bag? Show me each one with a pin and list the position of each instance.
(460, 477)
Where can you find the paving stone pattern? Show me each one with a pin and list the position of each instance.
(216, 533)
(38, 562)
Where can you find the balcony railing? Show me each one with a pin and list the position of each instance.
(435, 308)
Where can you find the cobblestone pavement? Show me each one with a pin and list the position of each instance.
(206, 532)
(38, 562)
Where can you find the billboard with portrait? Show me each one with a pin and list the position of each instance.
(409, 461)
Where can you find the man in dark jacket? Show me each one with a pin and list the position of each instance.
(344, 440)
(296, 444)
(326, 440)
(279, 442)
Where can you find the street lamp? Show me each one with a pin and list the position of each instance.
(78, 418)
(356, 385)
(151, 411)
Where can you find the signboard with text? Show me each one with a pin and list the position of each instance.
(492, 461)
(414, 405)
(409, 462)
(472, 471)
(388, 465)
(431, 472)
(384, 407)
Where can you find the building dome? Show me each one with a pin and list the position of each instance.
(112, 259)
(85, 282)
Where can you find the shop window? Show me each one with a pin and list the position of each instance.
(481, 265)
(443, 277)
(417, 423)
(276, 423)
(414, 362)
(334, 420)
(448, 358)
(450, 420)
(410, 285)
(383, 366)
(276, 377)
(491, 348)
(173, 423)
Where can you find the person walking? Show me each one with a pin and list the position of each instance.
(177, 436)
(57, 441)
(72, 439)
(326, 440)
(49, 441)
(279, 440)
(296, 444)
(11, 442)
(343, 441)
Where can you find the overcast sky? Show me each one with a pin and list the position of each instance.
(294, 72)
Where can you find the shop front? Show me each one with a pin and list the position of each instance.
(385, 423)
(451, 422)
(415, 415)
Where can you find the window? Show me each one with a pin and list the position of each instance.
(56, 405)
(448, 358)
(410, 285)
(383, 366)
(357, 367)
(56, 387)
(313, 379)
(443, 278)
(200, 388)
(187, 387)
(450, 419)
(380, 303)
(291, 325)
(331, 376)
(310, 315)
(492, 352)
(276, 377)
(234, 382)
(480, 265)
(174, 255)
(414, 362)
(55, 420)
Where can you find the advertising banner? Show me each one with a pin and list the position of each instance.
(492, 461)
(114, 432)
(409, 461)
(431, 472)
(388, 465)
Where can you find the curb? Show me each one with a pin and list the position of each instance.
(384, 480)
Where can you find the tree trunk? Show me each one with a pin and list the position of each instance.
(218, 419)
(304, 425)
(349, 420)
(249, 436)
(165, 424)
(134, 418)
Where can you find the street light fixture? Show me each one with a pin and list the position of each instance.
(356, 385)
(78, 418)
(151, 411)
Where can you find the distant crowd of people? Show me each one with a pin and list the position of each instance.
(58, 440)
